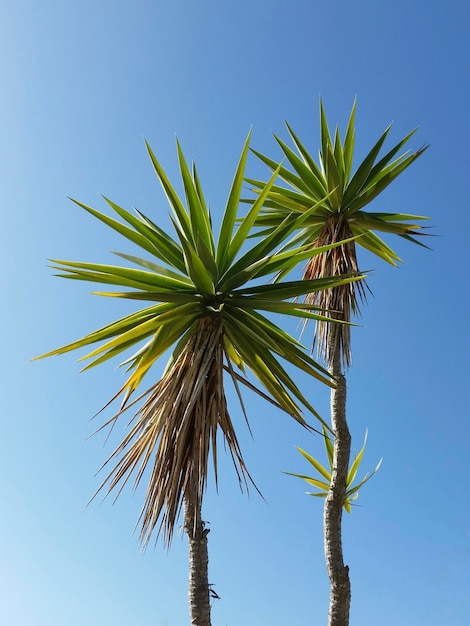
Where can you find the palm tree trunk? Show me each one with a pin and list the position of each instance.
(198, 589)
(340, 588)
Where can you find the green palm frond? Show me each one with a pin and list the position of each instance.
(206, 301)
(339, 196)
(323, 484)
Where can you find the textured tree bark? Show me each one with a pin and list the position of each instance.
(340, 588)
(198, 589)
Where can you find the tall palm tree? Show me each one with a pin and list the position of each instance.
(341, 197)
(202, 304)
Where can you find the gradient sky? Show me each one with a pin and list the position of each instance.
(83, 83)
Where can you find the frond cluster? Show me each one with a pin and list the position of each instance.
(323, 483)
(340, 197)
(208, 302)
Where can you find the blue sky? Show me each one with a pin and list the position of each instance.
(83, 83)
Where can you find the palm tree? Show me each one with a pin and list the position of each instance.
(340, 216)
(202, 305)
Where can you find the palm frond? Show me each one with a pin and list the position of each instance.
(206, 302)
(324, 485)
(339, 196)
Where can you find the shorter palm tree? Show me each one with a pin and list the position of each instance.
(206, 299)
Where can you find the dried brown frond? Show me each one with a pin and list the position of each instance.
(174, 431)
(337, 302)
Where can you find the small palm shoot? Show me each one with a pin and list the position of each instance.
(323, 484)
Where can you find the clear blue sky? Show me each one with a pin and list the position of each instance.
(82, 84)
